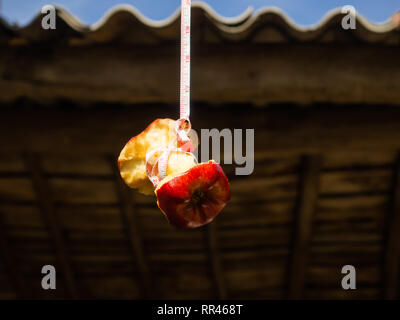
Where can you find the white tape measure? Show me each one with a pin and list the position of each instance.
(157, 160)
(185, 60)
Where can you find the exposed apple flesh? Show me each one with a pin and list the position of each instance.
(195, 197)
(190, 195)
(179, 162)
(132, 159)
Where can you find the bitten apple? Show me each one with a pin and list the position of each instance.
(195, 197)
(132, 159)
(190, 195)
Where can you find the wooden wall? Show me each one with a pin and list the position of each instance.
(323, 194)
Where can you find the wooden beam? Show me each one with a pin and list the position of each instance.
(308, 195)
(129, 218)
(286, 73)
(8, 258)
(392, 250)
(216, 263)
(317, 132)
(49, 214)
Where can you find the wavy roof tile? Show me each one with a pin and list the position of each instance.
(125, 24)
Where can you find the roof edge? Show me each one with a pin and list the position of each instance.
(242, 21)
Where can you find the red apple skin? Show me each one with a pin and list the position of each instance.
(195, 197)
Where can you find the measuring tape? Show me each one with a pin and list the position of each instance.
(185, 59)
(157, 160)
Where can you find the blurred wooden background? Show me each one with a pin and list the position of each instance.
(325, 191)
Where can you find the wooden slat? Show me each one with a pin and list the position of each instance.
(355, 182)
(16, 190)
(263, 214)
(73, 191)
(90, 165)
(372, 131)
(261, 277)
(44, 198)
(129, 218)
(216, 263)
(112, 83)
(282, 186)
(362, 293)
(303, 226)
(114, 286)
(251, 237)
(7, 256)
(392, 254)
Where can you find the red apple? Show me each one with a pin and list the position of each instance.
(194, 197)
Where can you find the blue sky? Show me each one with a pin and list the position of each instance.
(304, 12)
